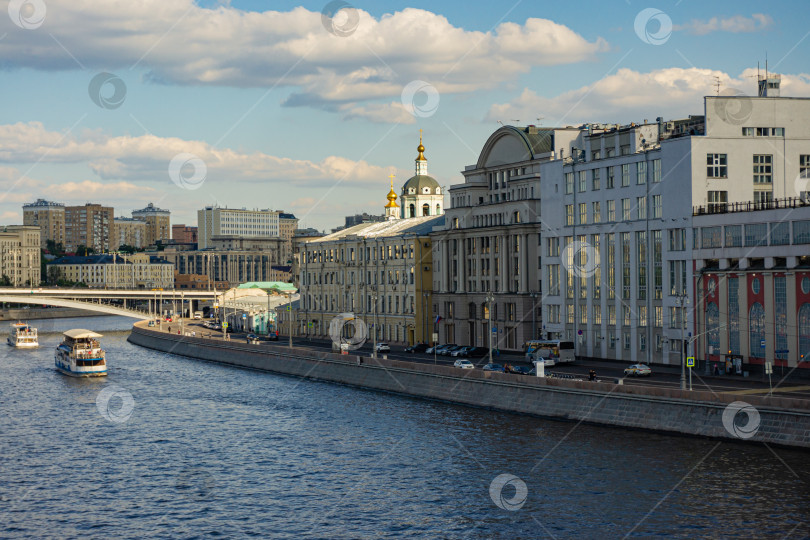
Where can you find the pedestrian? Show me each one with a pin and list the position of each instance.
(716, 369)
(592, 375)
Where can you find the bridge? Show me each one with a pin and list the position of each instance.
(93, 299)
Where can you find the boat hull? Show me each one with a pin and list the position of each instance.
(70, 373)
(22, 344)
(65, 366)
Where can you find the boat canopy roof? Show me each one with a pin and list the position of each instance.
(80, 333)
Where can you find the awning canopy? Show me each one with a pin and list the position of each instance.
(80, 333)
(279, 286)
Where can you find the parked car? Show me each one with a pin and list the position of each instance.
(151, 323)
(251, 336)
(440, 348)
(460, 352)
(523, 370)
(638, 370)
(449, 350)
(418, 348)
(272, 337)
(383, 347)
(463, 364)
(493, 367)
(476, 352)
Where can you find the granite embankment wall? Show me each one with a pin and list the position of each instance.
(775, 420)
(48, 313)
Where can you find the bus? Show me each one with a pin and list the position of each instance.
(553, 351)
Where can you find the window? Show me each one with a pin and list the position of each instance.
(596, 181)
(641, 264)
(718, 201)
(569, 214)
(611, 210)
(677, 239)
(553, 247)
(583, 181)
(554, 279)
(553, 313)
(756, 334)
(569, 183)
(569, 313)
(626, 210)
(763, 169)
(801, 232)
(656, 210)
(641, 172)
(804, 175)
(625, 247)
(597, 313)
(626, 318)
(596, 154)
(625, 175)
(610, 177)
(804, 331)
(659, 317)
(780, 233)
(597, 211)
(733, 236)
(642, 316)
(641, 207)
(583, 213)
(711, 237)
(656, 170)
(748, 132)
(756, 235)
(716, 166)
(763, 198)
(612, 315)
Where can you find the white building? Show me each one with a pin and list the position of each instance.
(217, 221)
(617, 209)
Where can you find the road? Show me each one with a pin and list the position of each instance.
(606, 371)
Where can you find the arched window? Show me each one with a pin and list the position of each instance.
(756, 321)
(484, 311)
(438, 209)
(412, 209)
(712, 325)
(804, 332)
(426, 209)
(472, 310)
(438, 191)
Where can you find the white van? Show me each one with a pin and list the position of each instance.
(198, 315)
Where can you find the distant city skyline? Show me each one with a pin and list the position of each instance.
(310, 108)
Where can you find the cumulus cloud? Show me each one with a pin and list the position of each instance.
(181, 43)
(147, 157)
(735, 24)
(630, 95)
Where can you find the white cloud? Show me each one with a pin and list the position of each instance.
(630, 95)
(381, 113)
(179, 42)
(734, 24)
(147, 158)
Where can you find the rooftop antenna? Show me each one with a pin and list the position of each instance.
(540, 120)
(501, 123)
(515, 121)
(717, 84)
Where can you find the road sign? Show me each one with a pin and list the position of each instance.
(224, 325)
(690, 362)
(762, 343)
(768, 368)
(435, 337)
(782, 351)
(579, 332)
(494, 329)
(244, 315)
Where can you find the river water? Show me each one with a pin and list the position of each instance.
(167, 446)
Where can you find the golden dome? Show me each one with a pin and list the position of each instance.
(392, 196)
(420, 149)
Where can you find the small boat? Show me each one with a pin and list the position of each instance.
(80, 354)
(23, 336)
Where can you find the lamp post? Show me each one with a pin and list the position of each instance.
(425, 318)
(682, 300)
(374, 324)
(289, 307)
(534, 315)
(490, 299)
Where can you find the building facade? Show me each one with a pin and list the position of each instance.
(158, 223)
(137, 271)
(378, 271)
(184, 234)
(90, 225)
(489, 243)
(129, 232)
(621, 277)
(287, 225)
(231, 266)
(49, 217)
(20, 255)
(216, 221)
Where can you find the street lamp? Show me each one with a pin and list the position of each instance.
(534, 315)
(490, 299)
(681, 302)
(374, 324)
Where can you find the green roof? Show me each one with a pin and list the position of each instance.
(269, 286)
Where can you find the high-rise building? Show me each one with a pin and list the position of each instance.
(158, 226)
(20, 255)
(129, 232)
(49, 217)
(90, 225)
(287, 225)
(217, 221)
(184, 234)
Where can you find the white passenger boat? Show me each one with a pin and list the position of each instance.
(81, 355)
(23, 336)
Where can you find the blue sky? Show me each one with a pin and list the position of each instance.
(276, 105)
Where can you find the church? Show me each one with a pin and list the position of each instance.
(421, 195)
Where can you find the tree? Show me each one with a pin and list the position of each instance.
(5, 281)
(84, 251)
(54, 248)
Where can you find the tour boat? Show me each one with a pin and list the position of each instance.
(80, 354)
(23, 336)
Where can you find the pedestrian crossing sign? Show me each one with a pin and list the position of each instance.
(690, 362)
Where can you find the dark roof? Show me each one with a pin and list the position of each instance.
(419, 181)
(103, 259)
(286, 216)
